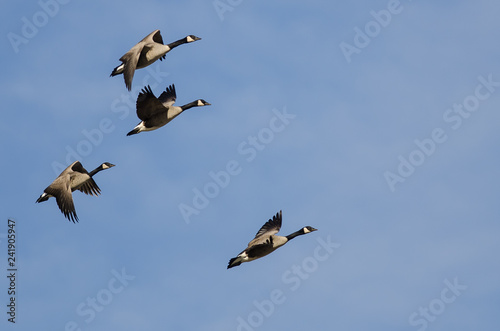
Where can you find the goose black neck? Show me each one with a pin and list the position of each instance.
(190, 105)
(295, 234)
(177, 43)
(96, 170)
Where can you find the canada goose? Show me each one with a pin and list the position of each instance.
(156, 112)
(74, 177)
(266, 241)
(147, 51)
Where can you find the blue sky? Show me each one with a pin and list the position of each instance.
(389, 149)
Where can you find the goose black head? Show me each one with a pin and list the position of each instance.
(107, 165)
(192, 38)
(202, 102)
(308, 229)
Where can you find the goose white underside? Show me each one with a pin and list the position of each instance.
(243, 257)
(141, 127)
(45, 196)
(119, 70)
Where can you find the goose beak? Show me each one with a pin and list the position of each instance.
(313, 229)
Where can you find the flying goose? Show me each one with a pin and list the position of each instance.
(74, 177)
(266, 241)
(156, 112)
(144, 53)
